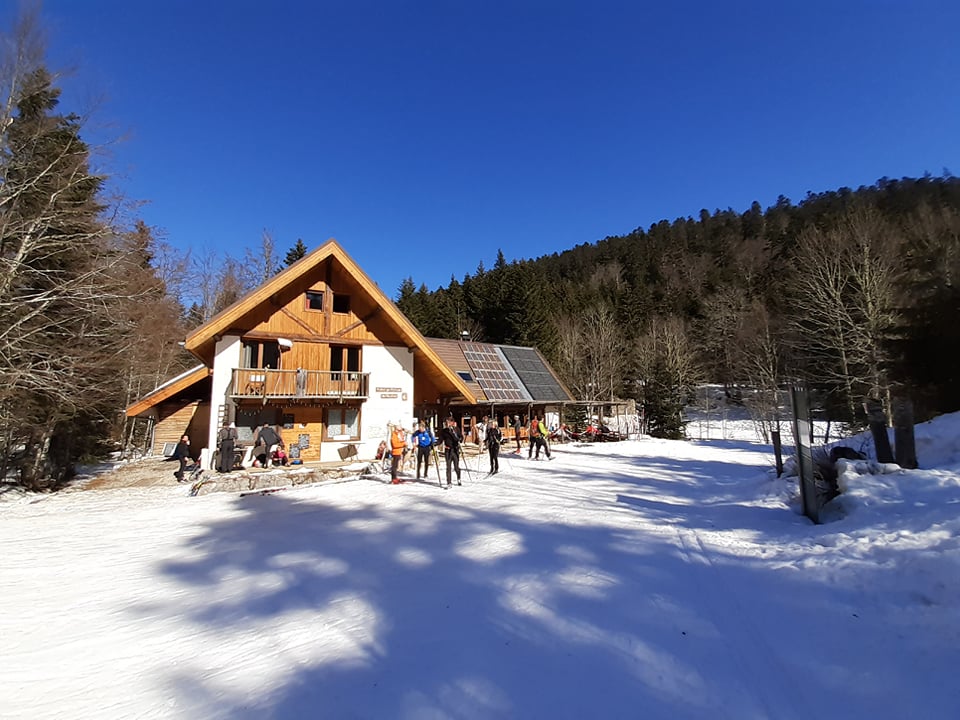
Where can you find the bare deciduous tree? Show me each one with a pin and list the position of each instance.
(260, 263)
(592, 354)
(842, 306)
(668, 373)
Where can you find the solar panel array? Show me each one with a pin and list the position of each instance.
(492, 374)
(539, 381)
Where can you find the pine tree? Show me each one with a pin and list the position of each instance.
(295, 253)
(64, 281)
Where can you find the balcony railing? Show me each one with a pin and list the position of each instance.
(282, 384)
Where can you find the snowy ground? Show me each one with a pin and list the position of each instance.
(646, 579)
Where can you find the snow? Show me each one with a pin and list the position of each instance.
(643, 579)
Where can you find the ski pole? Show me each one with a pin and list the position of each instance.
(436, 463)
(466, 468)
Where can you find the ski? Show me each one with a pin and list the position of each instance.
(201, 479)
(266, 491)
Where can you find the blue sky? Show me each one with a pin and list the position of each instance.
(425, 136)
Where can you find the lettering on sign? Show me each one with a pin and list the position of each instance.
(389, 395)
(388, 390)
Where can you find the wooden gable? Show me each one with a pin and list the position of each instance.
(279, 309)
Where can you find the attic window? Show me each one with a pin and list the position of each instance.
(314, 300)
(341, 303)
(465, 376)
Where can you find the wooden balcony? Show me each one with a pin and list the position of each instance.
(311, 384)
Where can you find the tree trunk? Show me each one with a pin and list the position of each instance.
(904, 441)
(878, 429)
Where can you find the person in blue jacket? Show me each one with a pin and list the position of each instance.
(423, 440)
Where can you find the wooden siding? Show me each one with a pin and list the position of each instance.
(289, 316)
(178, 419)
(309, 422)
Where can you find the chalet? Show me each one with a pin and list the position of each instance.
(322, 353)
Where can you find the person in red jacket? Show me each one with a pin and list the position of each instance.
(398, 443)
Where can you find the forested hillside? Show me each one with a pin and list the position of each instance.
(853, 291)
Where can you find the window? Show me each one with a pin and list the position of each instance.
(342, 423)
(314, 300)
(344, 358)
(465, 376)
(260, 354)
(341, 303)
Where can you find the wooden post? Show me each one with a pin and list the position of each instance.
(904, 441)
(877, 419)
(803, 436)
(777, 450)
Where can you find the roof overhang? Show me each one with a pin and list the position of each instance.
(167, 390)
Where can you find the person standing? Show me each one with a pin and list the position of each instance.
(482, 432)
(544, 440)
(538, 438)
(182, 453)
(227, 438)
(398, 444)
(533, 433)
(516, 430)
(410, 451)
(451, 439)
(423, 440)
(494, 438)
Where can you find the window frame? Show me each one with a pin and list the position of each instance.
(317, 294)
(346, 354)
(343, 410)
(252, 355)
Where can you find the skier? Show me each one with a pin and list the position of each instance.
(533, 432)
(482, 431)
(516, 431)
(182, 453)
(423, 440)
(494, 438)
(451, 439)
(538, 434)
(398, 444)
(544, 440)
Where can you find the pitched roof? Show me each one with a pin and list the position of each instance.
(202, 341)
(503, 373)
(168, 389)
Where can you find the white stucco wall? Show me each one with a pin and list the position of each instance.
(226, 358)
(390, 396)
